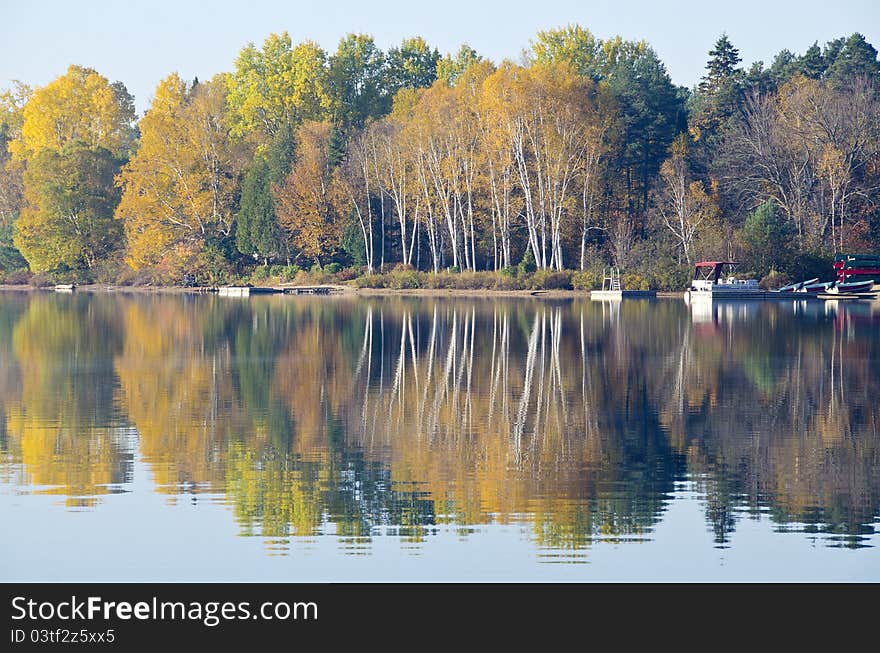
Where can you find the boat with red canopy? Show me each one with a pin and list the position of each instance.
(718, 279)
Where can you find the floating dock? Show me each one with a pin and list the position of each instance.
(606, 295)
(313, 290)
(246, 291)
(65, 287)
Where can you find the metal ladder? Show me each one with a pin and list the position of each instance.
(611, 279)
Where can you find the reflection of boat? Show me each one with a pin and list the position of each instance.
(709, 281)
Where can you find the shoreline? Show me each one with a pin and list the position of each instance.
(338, 290)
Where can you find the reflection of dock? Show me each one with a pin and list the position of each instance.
(869, 296)
(745, 294)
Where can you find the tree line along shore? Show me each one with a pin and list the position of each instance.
(406, 169)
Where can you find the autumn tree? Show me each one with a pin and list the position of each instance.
(681, 201)
(412, 64)
(277, 87)
(81, 106)
(451, 66)
(12, 104)
(649, 114)
(548, 114)
(75, 133)
(306, 202)
(356, 187)
(809, 147)
(180, 187)
(67, 219)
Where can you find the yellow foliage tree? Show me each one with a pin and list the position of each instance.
(307, 201)
(280, 84)
(179, 187)
(80, 106)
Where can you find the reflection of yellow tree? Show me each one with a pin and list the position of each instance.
(177, 391)
(70, 441)
(280, 498)
(495, 414)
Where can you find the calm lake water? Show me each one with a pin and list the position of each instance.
(172, 437)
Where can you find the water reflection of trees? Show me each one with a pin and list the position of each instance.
(397, 414)
(784, 420)
(64, 423)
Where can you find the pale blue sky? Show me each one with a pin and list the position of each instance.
(141, 42)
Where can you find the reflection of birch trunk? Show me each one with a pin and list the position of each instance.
(681, 381)
(560, 412)
(397, 386)
(412, 349)
(465, 365)
(381, 389)
(470, 374)
(500, 344)
(366, 355)
(432, 343)
(591, 422)
(522, 410)
(539, 399)
(443, 387)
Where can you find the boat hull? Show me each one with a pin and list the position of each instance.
(847, 288)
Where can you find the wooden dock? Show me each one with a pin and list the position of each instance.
(312, 290)
(247, 291)
(614, 295)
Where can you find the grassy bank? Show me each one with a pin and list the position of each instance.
(397, 278)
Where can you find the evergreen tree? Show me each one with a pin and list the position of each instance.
(767, 237)
(719, 93)
(812, 63)
(721, 66)
(257, 232)
(855, 57)
(784, 65)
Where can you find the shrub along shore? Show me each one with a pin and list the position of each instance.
(398, 277)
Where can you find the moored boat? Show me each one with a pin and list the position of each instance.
(857, 268)
(848, 288)
(816, 287)
(796, 287)
(716, 279)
